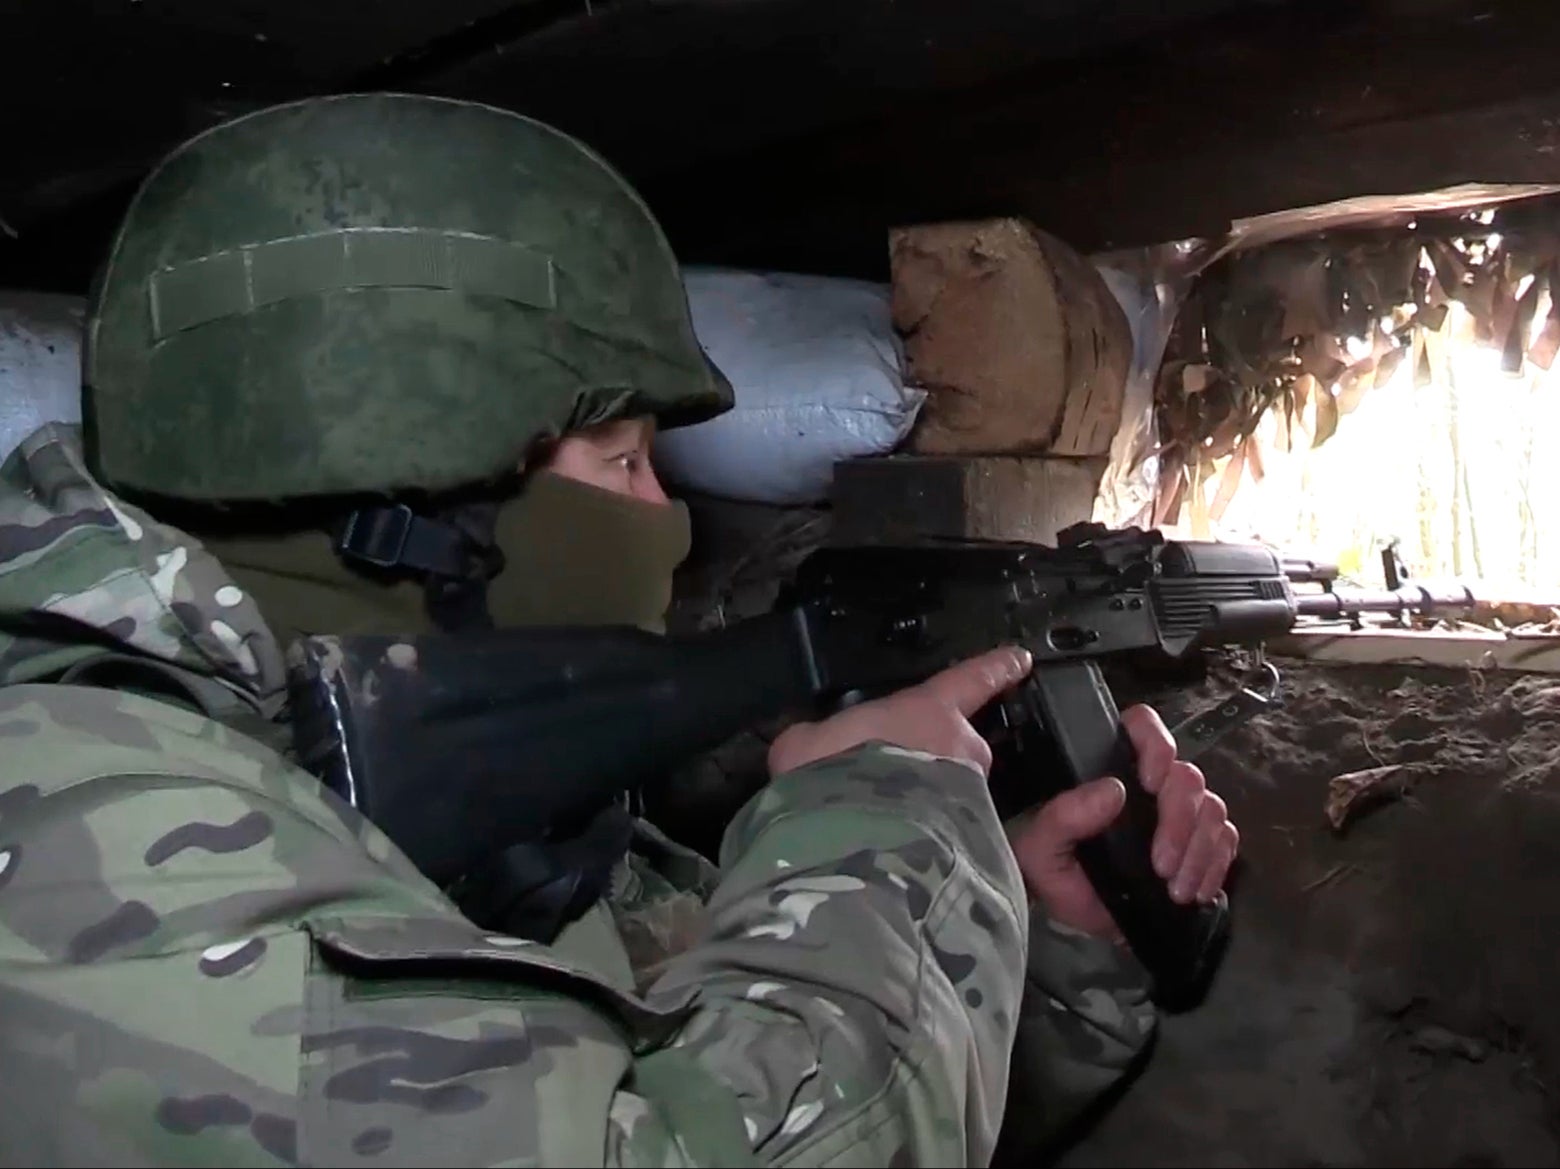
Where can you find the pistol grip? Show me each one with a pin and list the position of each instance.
(1174, 942)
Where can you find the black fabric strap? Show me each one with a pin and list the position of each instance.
(397, 537)
(454, 553)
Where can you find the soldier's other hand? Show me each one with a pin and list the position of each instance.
(933, 716)
(1194, 847)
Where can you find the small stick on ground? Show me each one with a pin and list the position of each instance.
(1347, 793)
(1332, 874)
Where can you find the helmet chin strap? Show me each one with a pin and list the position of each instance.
(453, 551)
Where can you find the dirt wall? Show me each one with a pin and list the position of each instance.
(1388, 998)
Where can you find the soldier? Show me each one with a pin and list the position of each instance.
(368, 363)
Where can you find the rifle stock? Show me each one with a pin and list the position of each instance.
(459, 745)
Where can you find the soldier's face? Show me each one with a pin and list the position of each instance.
(614, 455)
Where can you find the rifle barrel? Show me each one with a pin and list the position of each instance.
(1408, 599)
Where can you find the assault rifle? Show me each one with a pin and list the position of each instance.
(461, 746)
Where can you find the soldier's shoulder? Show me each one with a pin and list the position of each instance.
(50, 723)
(274, 983)
(159, 765)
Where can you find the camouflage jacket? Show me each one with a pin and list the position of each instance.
(205, 958)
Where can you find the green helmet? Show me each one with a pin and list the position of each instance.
(378, 293)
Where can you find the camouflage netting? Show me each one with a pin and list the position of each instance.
(1308, 326)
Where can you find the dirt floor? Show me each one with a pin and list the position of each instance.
(1388, 998)
(1389, 995)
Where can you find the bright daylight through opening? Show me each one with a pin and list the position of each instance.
(1454, 455)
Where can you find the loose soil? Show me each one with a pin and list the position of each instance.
(1388, 998)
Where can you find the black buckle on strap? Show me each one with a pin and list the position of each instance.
(377, 535)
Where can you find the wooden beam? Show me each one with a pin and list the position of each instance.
(1470, 649)
(794, 134)
(656, 88)
(907, 498)
(98, 92)
(1281, 109)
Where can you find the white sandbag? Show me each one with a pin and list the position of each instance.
(40, 363)
(818, 374)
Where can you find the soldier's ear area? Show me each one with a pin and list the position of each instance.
(543, 452)
(539, 455)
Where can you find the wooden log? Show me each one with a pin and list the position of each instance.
(1018, 340)
(905, 498)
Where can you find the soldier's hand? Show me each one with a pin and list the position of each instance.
(1194, 847)
(933, 716)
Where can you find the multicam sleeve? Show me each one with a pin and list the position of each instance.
(859, 985)
(1085, 1019)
